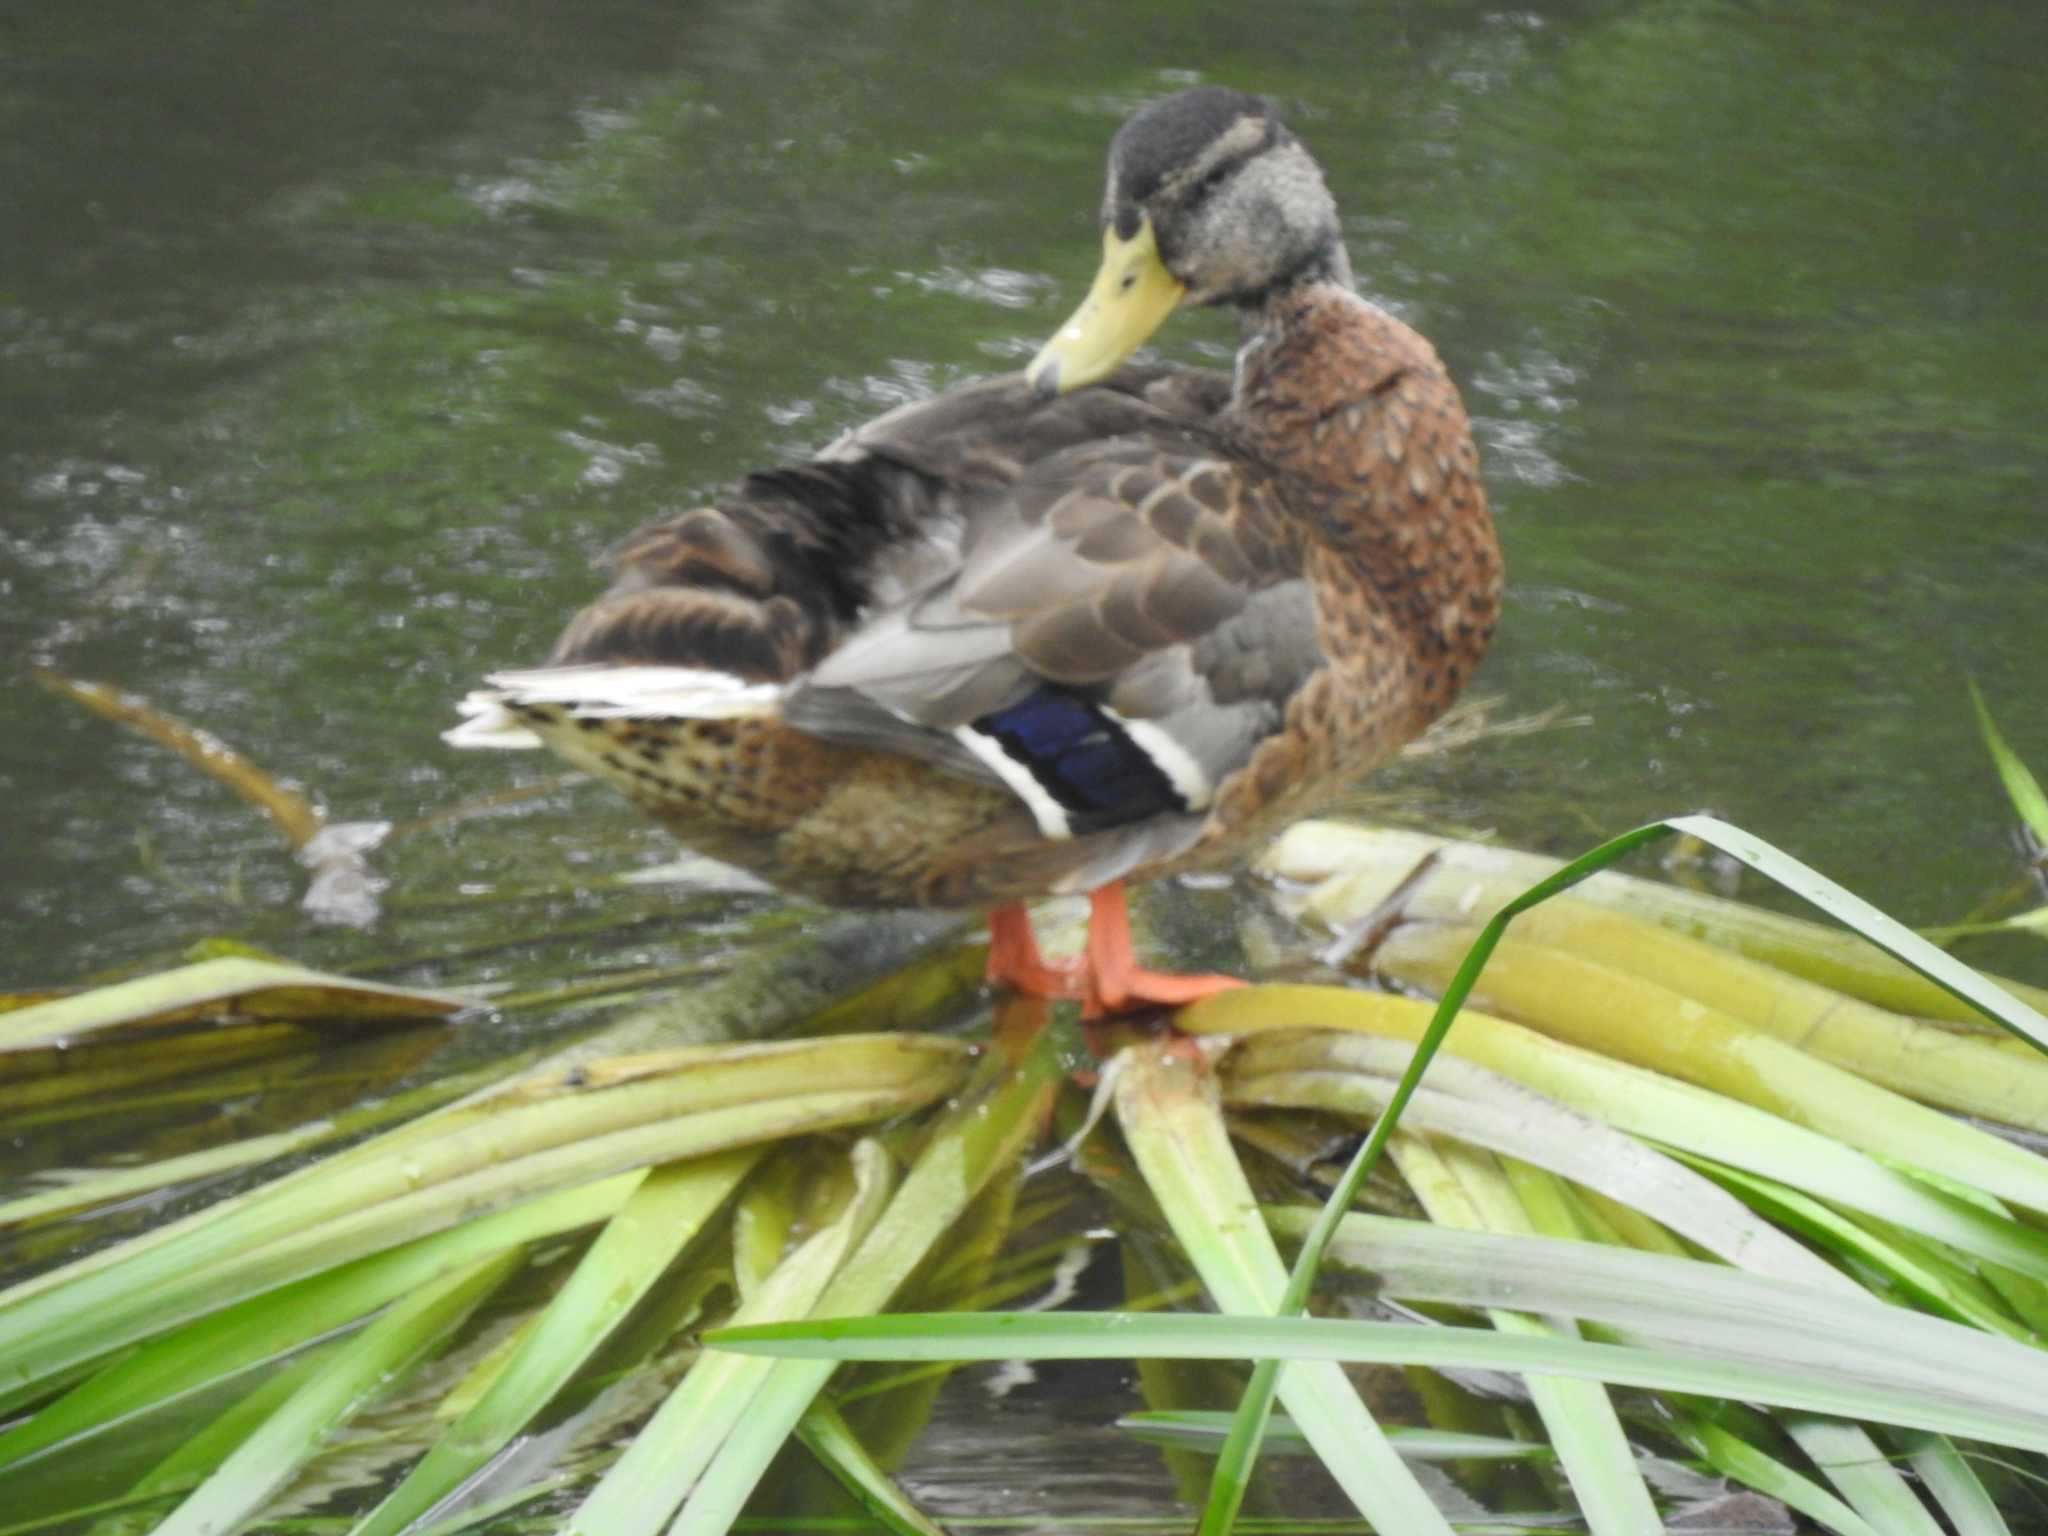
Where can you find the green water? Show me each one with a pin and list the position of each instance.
(335, 344)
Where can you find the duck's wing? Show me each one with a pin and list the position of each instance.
(1084, 599)
(1126, 623)
(770, 579)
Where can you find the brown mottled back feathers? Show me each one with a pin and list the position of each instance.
(768, 582)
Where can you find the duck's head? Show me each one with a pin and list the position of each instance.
(1209, 200)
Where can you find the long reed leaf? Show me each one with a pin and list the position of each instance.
(259, 989)
(982, 1134)
(1166, 1105)
(385, 1350)
(2021, 787)
(1644, 1103)
(665, 1212)
(827, 1435)
(1866, 1392)
(646, 1485)
(1734, 1457)
(1479, 880)
(1464, 1188)
(271, 1325)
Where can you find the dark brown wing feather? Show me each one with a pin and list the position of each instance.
(771, 580)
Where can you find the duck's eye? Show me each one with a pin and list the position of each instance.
(1130, 281)
(1212, 179)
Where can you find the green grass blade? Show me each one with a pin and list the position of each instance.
(1833, 1328)
(1953, 1482)
(1917, 1268)
(103, 1187)
(1615, 1014)
(423, 1185)
(1677, 1115)
(1353, 867)
(388, 1348)
(1862, 1474)
(256, 988)
(1945, 971)
(1203, 1430)
(1735, 1458)
(2021, 787)
(667, 1210)
(1464, 1188)
(830, 1438)
(202, 1453)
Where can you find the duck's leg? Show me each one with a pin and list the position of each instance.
(1114, 982)
(1014, 960)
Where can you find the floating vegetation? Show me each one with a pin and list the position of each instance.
(1649, 1174)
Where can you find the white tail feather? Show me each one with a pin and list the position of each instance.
(486, 722)
(678, 693)
(606, 693)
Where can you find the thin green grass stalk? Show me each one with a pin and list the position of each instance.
(410, 1331)
(503, 1120)
(1677, 1116)
(1914, 1265)
(1625, 1017)
(1735, 1458)
(763, 1220)
(1876, 1484)
(1485, 877)
(2021, 787)
(1482, 1109)
(263, 988)
(1861, 1472)
(1827, 1324)
(202, 1453)
(1990, 1076)
(1203, 1430)
(211, 1268)
(2026, 1295)
(103, 1188)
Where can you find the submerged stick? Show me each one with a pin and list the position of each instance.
(289, 811)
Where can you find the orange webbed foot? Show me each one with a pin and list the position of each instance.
(1114, 982)
(1106, 978)
(1014, 961)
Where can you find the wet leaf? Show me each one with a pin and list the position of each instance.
(226, 988)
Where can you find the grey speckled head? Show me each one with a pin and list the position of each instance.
(1237, 205)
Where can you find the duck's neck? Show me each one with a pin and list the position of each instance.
(1368, 439)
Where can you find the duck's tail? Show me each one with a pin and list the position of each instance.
(506, 715)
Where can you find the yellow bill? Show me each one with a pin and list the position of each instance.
(1133, 294)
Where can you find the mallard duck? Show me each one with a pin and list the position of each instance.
(1060, 630)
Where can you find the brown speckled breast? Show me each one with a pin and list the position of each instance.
(1371, 456)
